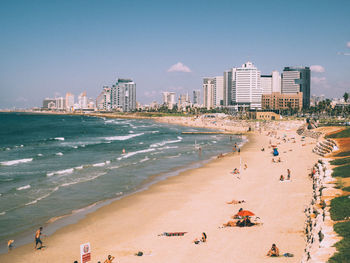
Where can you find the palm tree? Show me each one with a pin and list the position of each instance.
(346, 96)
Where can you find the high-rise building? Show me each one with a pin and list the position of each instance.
(229, 86)
(266, 84)
(69, 101)
(82, 101)
(297, 79)
(184, 101)
(218, 91)
(103, 101)
(276, 81)
(196, 97)
(247, 86)
(60, 103)
(123, 95)
(208, 92)
(169, 99)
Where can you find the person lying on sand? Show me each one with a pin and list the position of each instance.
(234, 202)
(203, 239)
(274, 251)
(235, 171)
(281, 178)
(109, 259)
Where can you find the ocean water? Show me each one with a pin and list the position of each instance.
(51, 165)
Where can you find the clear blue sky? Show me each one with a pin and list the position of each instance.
(52, 47)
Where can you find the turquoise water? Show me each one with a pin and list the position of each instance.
(51, 165)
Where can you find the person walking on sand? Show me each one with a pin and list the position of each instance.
(109, 259)
(37, 238)
(288, 174)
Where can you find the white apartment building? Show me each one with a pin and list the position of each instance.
(218, 91)
(60, 103)
(82, 101)
(123, 95)
(103, 101)
(208, 92)
(169, 99)
(247, 89)
(266, 84)
(276, 81)
(69, 101)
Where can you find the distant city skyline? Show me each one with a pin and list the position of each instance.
(50, 48)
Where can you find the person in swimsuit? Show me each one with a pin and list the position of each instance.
(37, 238)
(109, 259)
(273, 252)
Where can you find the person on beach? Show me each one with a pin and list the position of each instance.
(281, 178)
(288, 174)
(109, 259)
(274, 251)
(37, 238)
(10, 244)
(203, 239)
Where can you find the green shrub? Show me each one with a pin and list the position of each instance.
(343, 246)
(342, 171)
(343, 134)
(341, 161)
(340, 208)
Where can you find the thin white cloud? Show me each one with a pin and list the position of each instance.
(317, 68)
(343, 54)
(348, 44)
(318, 80)
(150, 94)
(179, 67)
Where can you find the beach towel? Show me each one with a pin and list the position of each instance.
(172, 234)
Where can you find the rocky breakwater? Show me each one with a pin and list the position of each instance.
(320, 236)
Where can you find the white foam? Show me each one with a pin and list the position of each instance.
(134, 153)
(79, 167)
(66, 171)
(42, 197)
(154, 131)
(131, 132)
(39, 154)
(159, 144)
(144, 160)
(123, 138)
(82, 180)
(99, 164)
(59, 154)
(23, 187)
(168, 147)
(2, 213)
(59, 138)
(14, 162)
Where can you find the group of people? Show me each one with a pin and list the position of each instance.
(282, 178)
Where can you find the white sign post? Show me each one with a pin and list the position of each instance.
(85, 252)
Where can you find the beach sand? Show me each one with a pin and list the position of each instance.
(195, 202)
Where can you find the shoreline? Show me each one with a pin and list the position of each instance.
(127, 204)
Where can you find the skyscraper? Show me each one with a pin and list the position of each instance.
(218, 91)
(196, 97)
(297, 79)
(123, 95)
(103, 101)
(229, 86)
(247, 86)
(208, 92)
(69, 101)
(276, 81)
(168, 99)
(266, 84)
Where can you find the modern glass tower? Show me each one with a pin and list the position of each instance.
(297, 79)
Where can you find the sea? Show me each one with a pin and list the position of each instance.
(57, 166)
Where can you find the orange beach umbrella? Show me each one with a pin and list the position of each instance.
(245, 213)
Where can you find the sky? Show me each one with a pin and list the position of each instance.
(48, 48)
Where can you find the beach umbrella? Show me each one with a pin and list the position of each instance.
(245, 213)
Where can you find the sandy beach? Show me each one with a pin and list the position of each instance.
(195, 202)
